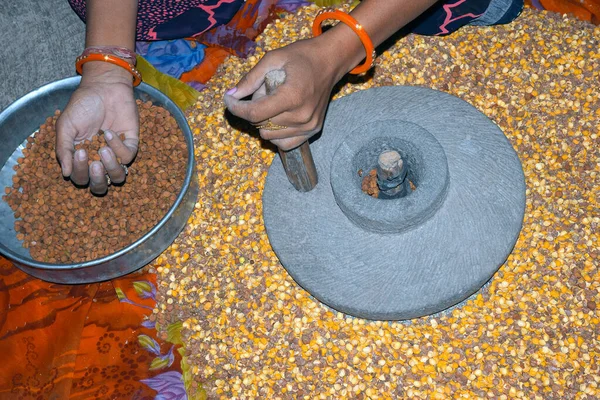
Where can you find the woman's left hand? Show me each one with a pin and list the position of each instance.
(299, 104)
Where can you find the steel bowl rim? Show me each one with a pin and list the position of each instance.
(156, 94)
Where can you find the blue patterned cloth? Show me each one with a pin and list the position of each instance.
(172, 57)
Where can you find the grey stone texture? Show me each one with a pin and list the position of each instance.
(424, 267)
(359, 151)
(40, 41)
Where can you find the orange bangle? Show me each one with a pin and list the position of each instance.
(137, 76)
(325, 14)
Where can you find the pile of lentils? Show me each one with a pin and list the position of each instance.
(60, 223)
(251, 332)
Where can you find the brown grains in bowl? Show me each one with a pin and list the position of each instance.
(60, 223)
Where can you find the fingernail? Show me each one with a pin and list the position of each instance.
(108, 135)
(80, 155)
(231, 91)
(105, 154)
(97, 168)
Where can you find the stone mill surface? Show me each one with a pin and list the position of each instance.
(402, 258)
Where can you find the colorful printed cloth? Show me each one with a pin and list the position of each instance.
(189, 39)
(445, 17)
(175, 19)
(82, 342)
(195, 60)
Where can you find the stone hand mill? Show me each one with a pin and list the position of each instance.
(413, 251)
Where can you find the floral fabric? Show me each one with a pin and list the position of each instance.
(83, 342)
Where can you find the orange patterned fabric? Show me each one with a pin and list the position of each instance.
(567, 7)
(585, 10)
(83, 342)
(213, 57)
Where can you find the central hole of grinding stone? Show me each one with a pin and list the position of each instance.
(390, 180)
(427, 169)
(367, 160)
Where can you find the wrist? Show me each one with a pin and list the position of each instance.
(344, 47)
(100, 71)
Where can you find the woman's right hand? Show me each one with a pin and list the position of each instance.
(103, 101)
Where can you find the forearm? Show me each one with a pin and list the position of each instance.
(111, 23)
(380, 19)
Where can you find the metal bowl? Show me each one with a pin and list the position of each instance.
(24, 117)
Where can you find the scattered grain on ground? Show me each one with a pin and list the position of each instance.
(251, 332)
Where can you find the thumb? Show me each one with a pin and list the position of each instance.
(261, 107)
(65, 145)
(253, 80)
(252, 84)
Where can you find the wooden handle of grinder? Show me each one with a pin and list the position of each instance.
(298, 163)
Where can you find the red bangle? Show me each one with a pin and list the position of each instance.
(325, 14)
(82, 59)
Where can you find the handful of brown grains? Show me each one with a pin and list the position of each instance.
(60, 223)
(93, 146)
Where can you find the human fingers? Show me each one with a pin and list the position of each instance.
(125, 150)
(79, 173)
(293, 104)
(80, 120)
(255, 78)
(273, 131)
(307, 125)
(290, 143)
(65, 145)
(279, 127)
(287, 138)
(98, 182)
(260, 107)
(113, 168)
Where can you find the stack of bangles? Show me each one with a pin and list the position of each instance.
(120, 56)
(326, 14)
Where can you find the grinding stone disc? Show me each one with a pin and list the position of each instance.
(433, 264)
